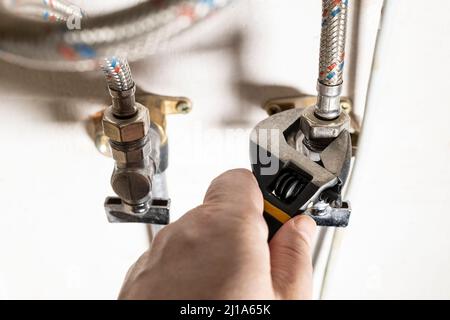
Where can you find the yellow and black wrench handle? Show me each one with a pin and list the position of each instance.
(274, 217)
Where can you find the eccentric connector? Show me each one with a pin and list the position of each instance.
(131, 148)
(135, 148)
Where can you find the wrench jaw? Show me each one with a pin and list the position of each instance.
(330, 216)
(292, 183)
(275, 187)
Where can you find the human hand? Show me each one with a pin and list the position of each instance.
(219, 250)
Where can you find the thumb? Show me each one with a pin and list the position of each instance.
(290, 254)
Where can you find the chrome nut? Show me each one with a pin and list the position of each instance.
(315, 128)
(132, 156)
(126, 130)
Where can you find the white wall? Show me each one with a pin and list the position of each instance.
(398, 243)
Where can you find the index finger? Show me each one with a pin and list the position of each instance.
(236, 191)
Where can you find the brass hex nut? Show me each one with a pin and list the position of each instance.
(126, 130)
(315, 128)
(132, 156)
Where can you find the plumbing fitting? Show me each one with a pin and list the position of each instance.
(301, 157)
(324, 121)
(135, 148)
(332, 55)
(292, 183)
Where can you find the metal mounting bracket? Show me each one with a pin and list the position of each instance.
(159, 107)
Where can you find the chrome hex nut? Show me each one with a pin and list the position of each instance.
(315, 128)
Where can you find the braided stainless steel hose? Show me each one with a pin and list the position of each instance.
(118, 73)
(121, 86)
(64, 7)
(137, 32)
(332, 55)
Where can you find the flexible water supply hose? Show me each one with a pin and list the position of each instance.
(117, 73)
(136, 32)
(332, 57)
